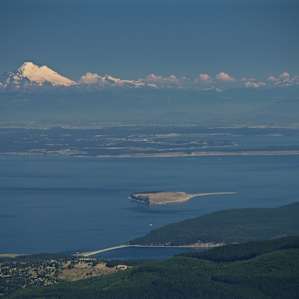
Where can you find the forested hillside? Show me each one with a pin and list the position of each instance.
(273, 272)
(229, 226)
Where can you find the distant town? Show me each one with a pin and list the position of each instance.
(40, 271)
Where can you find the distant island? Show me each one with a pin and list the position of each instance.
(162, 198)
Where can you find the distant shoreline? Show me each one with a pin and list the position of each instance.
(205, 154)
(255, 153)
(203, 245)
(12, 255)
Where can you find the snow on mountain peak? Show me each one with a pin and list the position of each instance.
(31, 74)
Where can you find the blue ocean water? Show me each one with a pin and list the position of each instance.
(51, 204)
(144, 253)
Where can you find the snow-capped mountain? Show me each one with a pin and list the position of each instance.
(30, 74)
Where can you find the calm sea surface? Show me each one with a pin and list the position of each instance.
(60, 204)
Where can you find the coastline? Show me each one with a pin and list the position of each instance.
(206, 245)
(247, 153)
(164, 197)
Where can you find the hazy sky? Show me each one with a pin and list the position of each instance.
(134, 38)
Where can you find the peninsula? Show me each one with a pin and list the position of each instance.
(161, 198)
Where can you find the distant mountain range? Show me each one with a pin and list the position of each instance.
(30, 75)
(38, 95)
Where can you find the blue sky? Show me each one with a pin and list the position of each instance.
(134, 38)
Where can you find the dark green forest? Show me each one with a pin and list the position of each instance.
(229, 226)
(265, 269)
